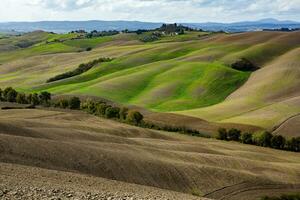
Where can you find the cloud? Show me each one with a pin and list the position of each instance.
(150, 10)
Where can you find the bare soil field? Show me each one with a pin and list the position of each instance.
(48, 148)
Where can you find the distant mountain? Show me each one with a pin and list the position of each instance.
(268, 23)
(67, 26)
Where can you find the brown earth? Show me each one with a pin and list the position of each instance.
(72, 141)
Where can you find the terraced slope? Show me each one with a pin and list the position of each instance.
(84, 144)
(188, 74)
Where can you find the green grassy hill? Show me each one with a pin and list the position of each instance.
(188, 74)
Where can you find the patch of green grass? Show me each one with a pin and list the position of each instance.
(36, 50)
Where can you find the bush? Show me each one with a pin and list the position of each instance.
(89, 49)
(35, 99)
(293, 144)
(134, 117)
(89, 106)
(63, 103)
(112, 112)
(45, 97)
(222, 134)
(21, 98)
(101, 108)
(123, 113)
(246, 138)
(1, 92)
(278, 142)
(263, 139)
(9, 94)
(244, 65)
(234, 134)
(283, 197)
(74, 103)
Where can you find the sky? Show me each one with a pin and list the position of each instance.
(149, 10)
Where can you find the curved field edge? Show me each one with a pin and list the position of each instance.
(190, 75)
(86, 144)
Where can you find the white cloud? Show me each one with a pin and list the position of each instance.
(149, 10)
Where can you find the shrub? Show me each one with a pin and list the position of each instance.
(278, 142)
(89, 49)
(244, 65)
(234, 134)
(263, 139)
(134, 117)
(123, 113)
(89, 106)
(222, 134)
(63, 103)
(35, 99)
(101, 108)
(1, 92)
(112, 112)
(246, 138)
(74, 103)
(293, 144)
(283, 197)
(11, 95)
(45, 97)
(21, 98)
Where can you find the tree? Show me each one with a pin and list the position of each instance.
(234, 134)
(11, 95)
(63, 103)
(101, 108)
(45, 97)
(277, 142)
(29, 98)
(1, 92)
(293, 144)
(263, 139)
(35, 99)
(21, 98)
(74, 103)
(222, 134)
(244, 65)
(246, 138)
(123, 113)
(134, 117)
(112, 112)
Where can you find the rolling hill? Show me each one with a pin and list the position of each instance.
(176, 80)
(60, 150)
(187, 74)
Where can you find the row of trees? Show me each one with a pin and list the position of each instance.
(101, 108)
(264, 139)
(79, 70)
(11, 95)
(283, 197)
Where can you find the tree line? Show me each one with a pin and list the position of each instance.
(264, 139)
(98, 108)
(124, 114)
(283, 197)
(84, 67)
(11, 95)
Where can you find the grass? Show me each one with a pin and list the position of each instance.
(187, 74)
